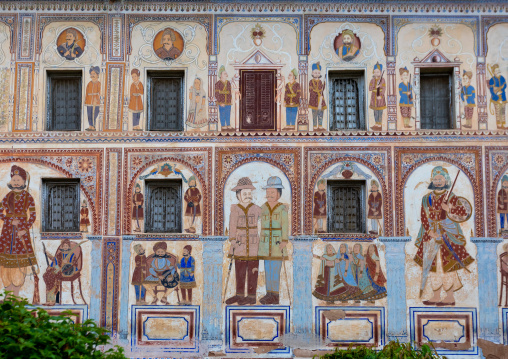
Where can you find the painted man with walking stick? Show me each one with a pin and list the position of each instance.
(274, 239)
(441, 242)
(17, 257)
(244, 238)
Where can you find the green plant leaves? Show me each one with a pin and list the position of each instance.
(392, 350)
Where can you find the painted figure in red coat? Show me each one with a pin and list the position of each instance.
(139, 274)
(84, 219)
(375, 204)
(319, 212)
(137, 209)
(17, 211)
(502, 203)
(192, 198)
(441, 243)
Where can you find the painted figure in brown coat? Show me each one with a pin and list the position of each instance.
(137, 209)
(319, 213)
(502, 202)
(375, 203)
(84, 219)
(193, 209)
(244, 237)
(377, 88)
(139, 274)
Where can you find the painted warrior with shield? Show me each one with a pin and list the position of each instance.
(17, 211)
(441, 243)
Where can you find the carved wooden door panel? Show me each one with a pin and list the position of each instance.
(257, 111)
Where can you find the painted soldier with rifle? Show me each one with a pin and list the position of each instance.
(70, 48)
(17, 257)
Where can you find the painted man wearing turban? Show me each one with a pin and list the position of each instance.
(168, 51)
(17, 211)
(224, 97)
(92, 97)
(157, 265)
(348, 51)
(441, 243)
(70, 48)
(292, 97)
(502, 203)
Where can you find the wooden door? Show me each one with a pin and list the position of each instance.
(436, 101)
(257, 111)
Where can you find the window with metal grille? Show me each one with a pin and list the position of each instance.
(347, 101)
(163, 206)
(346, 209)
(165, 101)
(64, 105)
(60, 205)
(436, 100)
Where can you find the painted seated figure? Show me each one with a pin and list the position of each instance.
(162, 273)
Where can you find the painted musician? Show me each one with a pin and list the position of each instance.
(244, 238)
(65, 265)
(17, 211)
(158, 264)
(441, 243)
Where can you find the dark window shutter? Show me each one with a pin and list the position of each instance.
(64, 103)
(435, 101)
(164, 207)
(61, 206)
(258, 100)
(166, 103)
(346, 99)
(346, 212)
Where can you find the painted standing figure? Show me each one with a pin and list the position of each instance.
(244, 238)
(375, 273)
(502, 203)
(377, 88)
(65, 265)
(346, 273)
(136, 99)
(316, 97)
(139, 274)
(497, 87)
(319, 213)
(375, 203)
(84, 219)
(358, 267)
(292, 96)
(70, 48)
(187, 266)
(137, 209)
(17, 211)
(92, 98)
(441, 243)
(193, 209)
(467, 96)
(274, 238)
(198, 117)
(405, 97)
(223, 97)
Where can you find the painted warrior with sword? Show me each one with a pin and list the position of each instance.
(70, 48)
(17, 211)
(441, 242)
(192, 197)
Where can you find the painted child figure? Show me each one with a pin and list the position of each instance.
(405, 97)
(84, 219)
(375, 203)
(502, 203)
(92, 98)
(319, 213)
(187, 266)
(139, 274)
(467, 95)
(292, 97)
(377, 88)
(136, 99)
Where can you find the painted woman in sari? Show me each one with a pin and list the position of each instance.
(441, 243)
(329, 284)
(359, 269)
(347, 273)
(375, 274)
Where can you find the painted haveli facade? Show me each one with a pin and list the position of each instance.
(258, 178)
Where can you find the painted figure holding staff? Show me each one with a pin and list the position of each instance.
(441, 242)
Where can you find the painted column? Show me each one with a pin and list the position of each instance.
(123, 328)
(212, 291)
(213, 117)
(396, 286)
(392, 93)
(302, 284)
(481, 94)
(95, 282)
(487, 288)
(303, 110)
